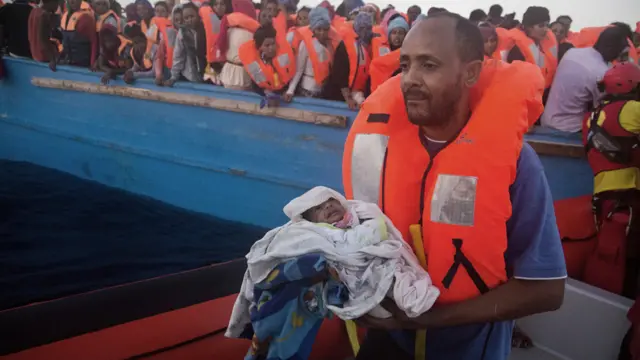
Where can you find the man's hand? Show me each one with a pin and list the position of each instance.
(398, 320)
(159, 81)
(169, 82)
(287, 97)
(128, 77)
(106, 77)
(53, 64)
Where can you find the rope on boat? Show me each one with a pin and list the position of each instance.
(178, 345)
(245, 107)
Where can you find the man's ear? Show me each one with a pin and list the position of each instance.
(472, 72)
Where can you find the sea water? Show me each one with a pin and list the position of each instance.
(61, 235)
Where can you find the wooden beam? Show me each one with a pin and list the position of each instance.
(557, 149)
(244, 107)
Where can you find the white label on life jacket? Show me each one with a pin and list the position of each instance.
(454, 200)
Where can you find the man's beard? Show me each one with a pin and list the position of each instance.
(439, 110)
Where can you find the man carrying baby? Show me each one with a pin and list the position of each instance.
(440, 149)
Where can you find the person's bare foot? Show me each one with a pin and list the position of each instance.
(520, 340)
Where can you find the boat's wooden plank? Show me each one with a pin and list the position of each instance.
(557, 148)
(245, 107)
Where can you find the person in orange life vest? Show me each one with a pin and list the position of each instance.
(266, 17)
(211, 16)
(146, 13)
(403, 151)
(161, 10)
(477, 16)
(354, 61)
(384, 67)
(147, 57)
(315, 56)
(114, 55)
(189, 53)
(490, 37)
(79, 37)
(302, 17)
(270, 62)
(236, 29)
(534, 43)
(560, 31)
(104, 15)
(566, 21)
(41, 20)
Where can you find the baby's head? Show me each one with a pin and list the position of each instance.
(330, 211)
(318, 205)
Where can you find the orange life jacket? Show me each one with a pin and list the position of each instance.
(459, 208)
(377, 29)
(280, 23)
(588, 37)
(383, 67)
(147, 59)
(169, 35)
(68, 28)
(338, 22)
(544, 56)
(359, 61)
(269, 77)
(211, 23)
(321, 57)
(101, 18)
(241, 20)
(294, 38)
(379, 47)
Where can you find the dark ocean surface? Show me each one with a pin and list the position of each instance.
(61, 235)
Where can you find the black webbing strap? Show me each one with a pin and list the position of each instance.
(460, 259)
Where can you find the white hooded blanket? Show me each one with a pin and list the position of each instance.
(370, 257)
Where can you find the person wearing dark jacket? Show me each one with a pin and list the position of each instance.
(14, 19)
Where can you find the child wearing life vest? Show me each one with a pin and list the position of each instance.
(147, 57)
(105, 16)
(162, 10)
(114, 58)
(302, 17)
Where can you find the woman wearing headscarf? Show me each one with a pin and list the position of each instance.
(236, 29)
(374, 10)
(189, 54)
(385, 66)
(315, 56)
(356, 59)
(336, 21)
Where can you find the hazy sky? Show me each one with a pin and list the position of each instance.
(584, 12)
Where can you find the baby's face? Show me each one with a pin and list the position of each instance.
(330, 211)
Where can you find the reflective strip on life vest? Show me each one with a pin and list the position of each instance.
(537, 55)
(554, 51)
(320, 50)
(283, 60)
(256, 72)
(367, 160)
(383, 50)
(290, 37)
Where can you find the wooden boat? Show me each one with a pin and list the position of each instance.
(213, 150)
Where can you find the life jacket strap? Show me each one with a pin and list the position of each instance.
(459, 258)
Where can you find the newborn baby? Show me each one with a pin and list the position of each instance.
(358, 241)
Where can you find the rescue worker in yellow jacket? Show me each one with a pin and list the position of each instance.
(474, 198)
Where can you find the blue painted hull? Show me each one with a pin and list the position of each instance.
(241, 167)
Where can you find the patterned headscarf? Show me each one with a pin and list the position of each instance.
(376, 9)
(363, 26)
(397, 22)
(319, 17)
(327, 5)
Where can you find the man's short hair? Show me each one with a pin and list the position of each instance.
(564, 17)
(478, 15)
(495, 11)
(469, 40)
(262, 33)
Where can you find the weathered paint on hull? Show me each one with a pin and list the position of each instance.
(236, 166)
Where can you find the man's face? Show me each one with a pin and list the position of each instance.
(302, 19)
(100, 6)
(396, 37)
(559, 31)
(538, 31)
(162, 11)
(266, 17)
(177, 19)
(219, 7)
(268, 48)
(190, 17)
(74, 5)
(432, 72)
(143, 11)
(413, 13)
(566, 22)
(322, 34)
(272, 9)
(490, 45)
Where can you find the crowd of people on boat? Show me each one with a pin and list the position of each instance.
(281, 51)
